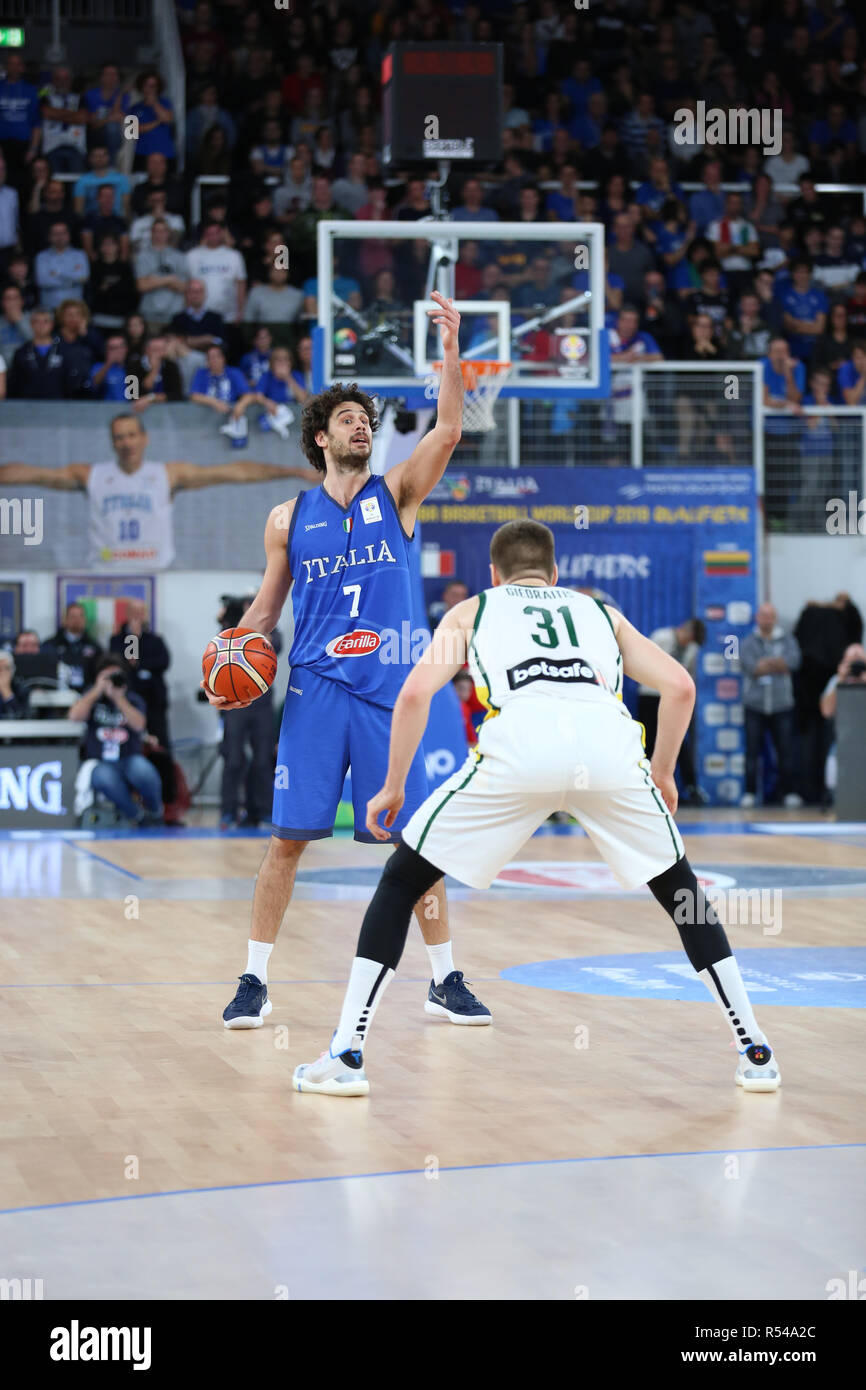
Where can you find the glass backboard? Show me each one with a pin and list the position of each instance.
(531, 293)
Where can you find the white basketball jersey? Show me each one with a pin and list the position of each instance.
(539, 642)
(130, 517)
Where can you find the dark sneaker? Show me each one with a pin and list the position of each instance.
(452, 1000)
(250, 1006)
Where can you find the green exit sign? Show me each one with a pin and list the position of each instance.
(11, 38)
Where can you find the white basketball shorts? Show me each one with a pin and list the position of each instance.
(536, 757)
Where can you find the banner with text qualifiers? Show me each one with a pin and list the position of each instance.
(663, 544)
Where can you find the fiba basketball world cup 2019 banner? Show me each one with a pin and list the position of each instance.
(662, 544)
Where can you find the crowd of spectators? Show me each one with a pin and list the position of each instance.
(111, 291)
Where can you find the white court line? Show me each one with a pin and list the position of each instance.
(850, 827)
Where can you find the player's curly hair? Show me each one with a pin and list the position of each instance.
(318, 411)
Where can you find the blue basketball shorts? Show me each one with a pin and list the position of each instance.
(325, 730)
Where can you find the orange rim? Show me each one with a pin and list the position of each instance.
(476, 371)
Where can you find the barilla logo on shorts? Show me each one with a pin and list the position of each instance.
(358, 643)
(559, 671)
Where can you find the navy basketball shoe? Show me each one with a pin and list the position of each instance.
(452, 1000)
(250, 1006)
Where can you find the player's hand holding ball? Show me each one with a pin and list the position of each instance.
(238, 666)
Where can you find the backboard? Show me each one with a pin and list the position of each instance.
(531, 293)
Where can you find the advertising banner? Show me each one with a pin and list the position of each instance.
(664, 545)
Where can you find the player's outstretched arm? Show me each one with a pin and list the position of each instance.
(184, 476)
(264, 612)
(647, 663)
(72, 477)
(412, 481)
(440, 663)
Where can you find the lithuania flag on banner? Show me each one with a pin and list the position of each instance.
(727, 561)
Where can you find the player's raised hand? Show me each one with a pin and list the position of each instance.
(388, 801)
(221, 703)
(448, 319)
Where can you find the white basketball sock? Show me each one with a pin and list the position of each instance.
(725, 984)
(367, 983)
(258, 955)
(441, 962)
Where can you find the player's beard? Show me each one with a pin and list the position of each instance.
(350, 458)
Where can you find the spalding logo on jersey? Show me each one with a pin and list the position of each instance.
(358, 643)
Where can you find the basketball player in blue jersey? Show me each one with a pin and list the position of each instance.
(345, 545)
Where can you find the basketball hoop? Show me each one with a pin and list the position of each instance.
(482, 382)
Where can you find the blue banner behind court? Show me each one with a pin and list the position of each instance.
(664, 544)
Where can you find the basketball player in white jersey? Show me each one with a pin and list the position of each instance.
(548, 663)
(131, 526)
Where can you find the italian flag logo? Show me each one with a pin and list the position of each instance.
(347, 524)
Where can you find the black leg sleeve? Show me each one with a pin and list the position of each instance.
(406, 878)
(681, 896)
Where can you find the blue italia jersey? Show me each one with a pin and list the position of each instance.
(352, 595)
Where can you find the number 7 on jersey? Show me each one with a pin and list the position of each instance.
(356, 590)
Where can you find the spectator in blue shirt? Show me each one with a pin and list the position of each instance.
(472, 207)
(852, 376)
(580, 86)
(14, 321)
(217, 385)
(784, 384)
(561, 205)
(20, 118)
(87, 187)
(60, 269)
(277, 392)
(109, 379)
(587, 129)
(708, 204)
(804, 310)
(255, 363)
(553, 119)
(657, 190)
(835, 128)
(155, 116)
(673, 236)
(637, 124)
(816, 451)
(203, 117)
(106, 105)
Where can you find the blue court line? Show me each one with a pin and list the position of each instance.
(193, 984)
(107, 862)
(410, 1172)
(704, 827)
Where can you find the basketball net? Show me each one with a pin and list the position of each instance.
(482, 382)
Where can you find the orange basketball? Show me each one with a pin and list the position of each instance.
(239, 664)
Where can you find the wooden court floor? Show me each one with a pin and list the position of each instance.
(117, 956)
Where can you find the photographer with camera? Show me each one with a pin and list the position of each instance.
(852, 671)
(116, 721)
